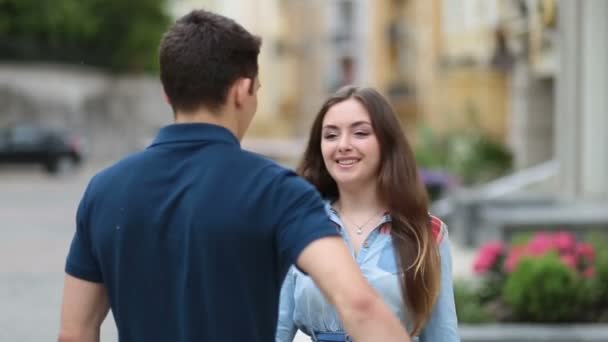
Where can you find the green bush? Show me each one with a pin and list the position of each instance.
(468, 154)
(600, 280)
(543, 289)
(469, 308)
(113, 34)
(543, 277)
(601, 267)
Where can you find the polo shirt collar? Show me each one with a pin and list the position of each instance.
(194, 132)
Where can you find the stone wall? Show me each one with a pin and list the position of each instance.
(116, 114)
(531, 118)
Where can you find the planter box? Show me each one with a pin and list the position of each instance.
(534, 332)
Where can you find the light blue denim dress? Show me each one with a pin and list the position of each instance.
(303, 307)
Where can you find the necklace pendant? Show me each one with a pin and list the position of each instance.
(359, 231)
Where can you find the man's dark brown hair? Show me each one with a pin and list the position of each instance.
(201, 56)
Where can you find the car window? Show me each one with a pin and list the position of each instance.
(3, 138)
(25, 135)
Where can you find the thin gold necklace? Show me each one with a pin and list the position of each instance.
(359, 230)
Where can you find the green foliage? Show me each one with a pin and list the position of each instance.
(469, 308)
(543, 277)
(491, 289)
(115, 34)
(545, 290)
(601, 268)
(521, 238)
(468, 153)
(600, 244)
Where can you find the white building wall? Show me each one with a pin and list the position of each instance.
(581, 138)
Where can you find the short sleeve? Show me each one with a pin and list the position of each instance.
(443, 323)
(81, 262)
(300, 217)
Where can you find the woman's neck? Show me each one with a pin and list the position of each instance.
(359, 199)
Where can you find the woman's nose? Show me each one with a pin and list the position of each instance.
(344, 144)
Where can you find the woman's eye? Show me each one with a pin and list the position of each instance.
(329, 135)
(361, 134)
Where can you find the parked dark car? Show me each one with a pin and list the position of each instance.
(54, 149)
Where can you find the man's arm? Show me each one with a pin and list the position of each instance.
(85, 306)
(363, 313)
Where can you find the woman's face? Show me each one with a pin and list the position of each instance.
(349, 146)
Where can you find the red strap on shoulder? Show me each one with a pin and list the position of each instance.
(436, 228)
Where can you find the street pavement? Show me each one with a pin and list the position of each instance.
(37, 220)
(36, 227)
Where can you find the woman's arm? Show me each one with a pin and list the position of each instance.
(443, 323)
(286, 329)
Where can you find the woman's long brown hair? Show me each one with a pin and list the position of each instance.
(400, 187)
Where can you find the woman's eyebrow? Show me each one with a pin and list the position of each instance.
(353, 125)
(360, 123)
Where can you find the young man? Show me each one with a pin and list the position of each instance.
(190, 239)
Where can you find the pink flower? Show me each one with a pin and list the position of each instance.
(487, 257)
(576, 256)
(540, 244)
(585, 251)
(514, 257)
(569, 260)
(589, 272)
(564, 241)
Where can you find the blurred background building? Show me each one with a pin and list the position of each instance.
(504, 101)
(484, 88)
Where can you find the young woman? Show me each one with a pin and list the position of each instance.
(360, 161)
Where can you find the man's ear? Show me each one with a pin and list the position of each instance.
(241, 90)
(165, 96)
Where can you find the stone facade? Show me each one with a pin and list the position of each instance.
(116, 114)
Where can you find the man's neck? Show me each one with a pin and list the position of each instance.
(204, 116)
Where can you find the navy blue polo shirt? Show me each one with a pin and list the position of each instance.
(193, 236)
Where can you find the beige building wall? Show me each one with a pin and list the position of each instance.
(305, 57)
(425, 22)
(466, 87)
(263, 18)
(398, 46)
(380, 63)
(440, 56)
(178, 8)
(468, 27)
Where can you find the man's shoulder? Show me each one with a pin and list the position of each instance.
(258, 158)
(275, 177)
(265, 165)
(116, 170)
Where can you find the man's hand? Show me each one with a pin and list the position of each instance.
(363, 313)
(85, 306)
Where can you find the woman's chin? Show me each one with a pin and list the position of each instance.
(348, 181)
